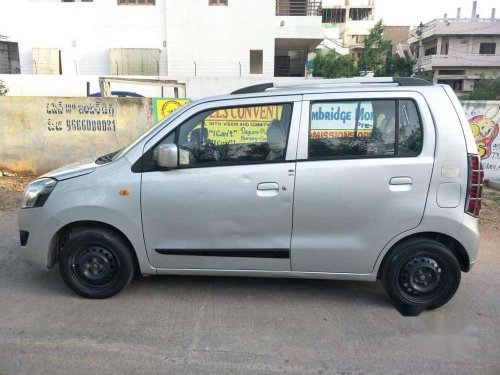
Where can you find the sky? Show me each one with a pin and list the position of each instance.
(411, 12)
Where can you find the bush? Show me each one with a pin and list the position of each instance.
(333, 65)
(485, 89)
(3, 89)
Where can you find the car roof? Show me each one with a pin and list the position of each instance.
(320, 86)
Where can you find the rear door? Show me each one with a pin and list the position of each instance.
(363, 173)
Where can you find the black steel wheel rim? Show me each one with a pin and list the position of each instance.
(420, 279)
(94, 266)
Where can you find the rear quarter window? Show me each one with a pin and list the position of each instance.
(410, 129)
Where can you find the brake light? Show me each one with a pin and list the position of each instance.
(474, 186)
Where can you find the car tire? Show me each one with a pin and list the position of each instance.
(96, 263)
(421, 273)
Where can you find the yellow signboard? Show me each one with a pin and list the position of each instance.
(228, 125)
(163, 107)
(241, 125)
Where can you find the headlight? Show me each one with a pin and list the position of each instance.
(37, 192)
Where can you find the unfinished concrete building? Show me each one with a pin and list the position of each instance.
(346, 24)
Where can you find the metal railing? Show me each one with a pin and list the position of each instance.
(462, 60)
(431, 25)
(298, 8)
(154, 68)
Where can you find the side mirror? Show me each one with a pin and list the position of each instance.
(168, 156)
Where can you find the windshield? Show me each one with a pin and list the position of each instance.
(163, 122)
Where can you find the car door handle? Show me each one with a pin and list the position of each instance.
(268, 186)
(401, 181)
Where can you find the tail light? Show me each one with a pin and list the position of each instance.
(474, 186)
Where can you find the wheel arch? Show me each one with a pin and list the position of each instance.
(65, 232)
(451, 243)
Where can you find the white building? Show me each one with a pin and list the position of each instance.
(162, 37)
(346, 24)
(70, 38)
(458, 50)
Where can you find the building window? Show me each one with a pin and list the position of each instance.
(431, 51)
(46, 61)
(217, 2)
(299, 8)
(451, 72)
(9, 58)
(455, 84)
(333, 15)
(256, 61)
(358, 39)
(136, 2)
(134, 61)
(487, 48)
(444, 48)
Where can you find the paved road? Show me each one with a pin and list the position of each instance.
(206, 325)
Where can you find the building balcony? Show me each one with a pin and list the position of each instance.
(298, 31)
(456, 26)
(300, 21)
(356, 43)
(299, 8)
(457, 60)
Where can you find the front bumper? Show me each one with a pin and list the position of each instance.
(42, 227)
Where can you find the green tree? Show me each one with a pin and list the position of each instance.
(373, 57)
(398, 67)
(334, 65)
(485, 89)
(3, 89)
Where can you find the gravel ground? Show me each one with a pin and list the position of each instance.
(208, 325)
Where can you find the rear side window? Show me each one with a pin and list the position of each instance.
(364, 128)
(410, 129)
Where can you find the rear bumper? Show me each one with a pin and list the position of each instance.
(469, 237)
(42, 227)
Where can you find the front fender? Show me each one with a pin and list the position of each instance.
(128, 226)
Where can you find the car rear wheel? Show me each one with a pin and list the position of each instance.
(96, 263)
(422, 273)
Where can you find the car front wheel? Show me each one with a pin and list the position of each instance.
(96, 263)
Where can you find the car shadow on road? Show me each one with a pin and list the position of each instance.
(224, 288)
(265, 290)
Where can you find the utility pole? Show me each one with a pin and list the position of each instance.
(420, 30)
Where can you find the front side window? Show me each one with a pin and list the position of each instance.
(236, 135)
(364, 128)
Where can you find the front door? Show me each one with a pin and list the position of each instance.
(228, 205)
(363, 173)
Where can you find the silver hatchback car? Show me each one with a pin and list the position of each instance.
(357, 179)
